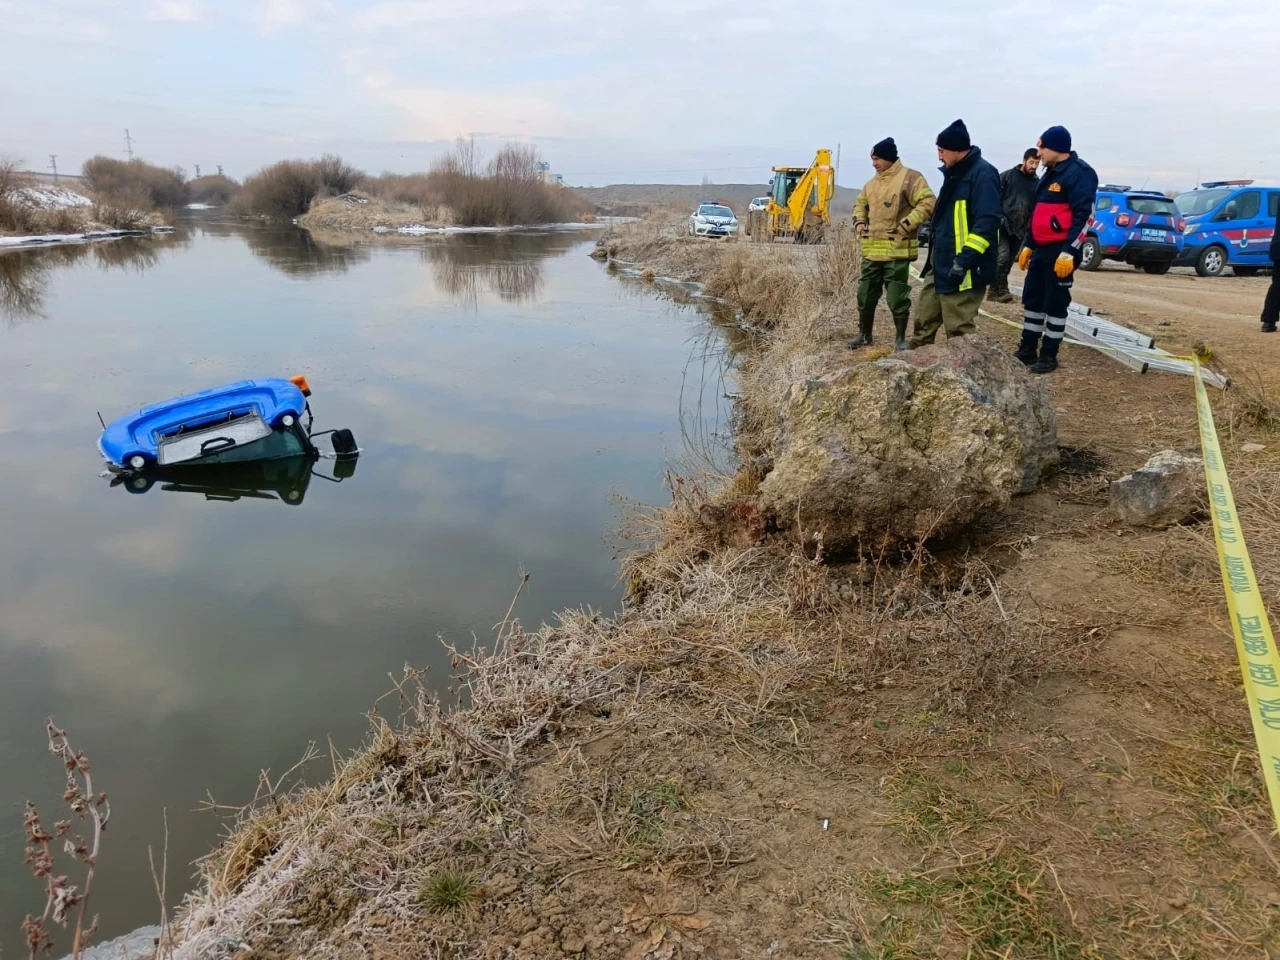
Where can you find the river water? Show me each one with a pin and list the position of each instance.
(505, 391)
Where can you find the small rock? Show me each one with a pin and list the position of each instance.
(1168, 489)
(573, 944)
(1253, 447)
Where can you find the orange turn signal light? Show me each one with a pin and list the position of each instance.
(300, 382)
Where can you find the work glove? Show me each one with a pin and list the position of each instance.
(957, 270)
(905, 225)
(861, 229)
(1064, 265)
(1024, 257)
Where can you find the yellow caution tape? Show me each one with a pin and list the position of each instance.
(1254, 642)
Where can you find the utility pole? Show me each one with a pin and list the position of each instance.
(219, 169)
(53, 165)
(128, 143)
(197, 171)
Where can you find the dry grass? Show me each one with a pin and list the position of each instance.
(334, 213)
(730, 644)
(801, 297)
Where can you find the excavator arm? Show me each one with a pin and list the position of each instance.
(812, 193)
(801, 199)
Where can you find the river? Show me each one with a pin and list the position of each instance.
(505, 392)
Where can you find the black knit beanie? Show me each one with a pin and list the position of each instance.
(955, 137)
(886, 149)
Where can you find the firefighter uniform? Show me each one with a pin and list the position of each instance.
(887, 216)
(1051, 253)
(962, 252)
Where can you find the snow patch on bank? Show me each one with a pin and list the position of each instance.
(48, 238)
(53, 198)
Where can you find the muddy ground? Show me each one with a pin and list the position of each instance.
(1030, 741)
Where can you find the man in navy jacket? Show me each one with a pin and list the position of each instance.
(962, 253)
(1051, 251)
(1271, 306)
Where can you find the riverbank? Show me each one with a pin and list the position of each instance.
(1027, 741)
(361, 213)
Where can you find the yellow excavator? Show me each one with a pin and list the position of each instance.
(799, 203)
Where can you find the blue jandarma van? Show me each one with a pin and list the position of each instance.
(1228, 223)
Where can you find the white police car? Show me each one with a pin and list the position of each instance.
(713, 220)
(759, 203)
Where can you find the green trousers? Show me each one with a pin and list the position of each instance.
(891, 276)
(954, 311)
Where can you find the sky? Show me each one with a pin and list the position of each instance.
(663, 91)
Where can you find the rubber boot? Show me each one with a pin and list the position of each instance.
(900, 333)
(863, 339)
(1027, 348)
(1269, 327)
(1048, 361)
(1000, 294)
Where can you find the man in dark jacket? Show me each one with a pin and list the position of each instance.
(1271, 306)
(1017, 197)
(1051, 249)
(962, 254)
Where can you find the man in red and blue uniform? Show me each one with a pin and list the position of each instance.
(1051, 251)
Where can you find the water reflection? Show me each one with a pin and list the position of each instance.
(302, 253)
(24, 274)
(285, 479)
(506, 264)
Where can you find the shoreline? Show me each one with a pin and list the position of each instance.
(89, 236)
(766, 751)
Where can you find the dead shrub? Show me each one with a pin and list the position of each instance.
(213, 189)
(125, 216)
(16, 213)
(508, 191)
(134, 183)
(286, 189)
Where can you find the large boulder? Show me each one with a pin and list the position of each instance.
(1169, 488)
(914, 445)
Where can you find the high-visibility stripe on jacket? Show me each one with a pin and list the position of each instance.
(966, 225)
(889, 198)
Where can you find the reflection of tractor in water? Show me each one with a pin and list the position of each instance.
(799, 203)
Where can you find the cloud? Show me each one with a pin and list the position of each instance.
(440, 113)
(281, 14)
(49, 23)
(401, 14)
(176, 11)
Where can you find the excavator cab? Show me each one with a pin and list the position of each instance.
(784, 183)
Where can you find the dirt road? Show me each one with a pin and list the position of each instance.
(1182, 310)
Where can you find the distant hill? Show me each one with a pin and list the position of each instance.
(634, 199)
